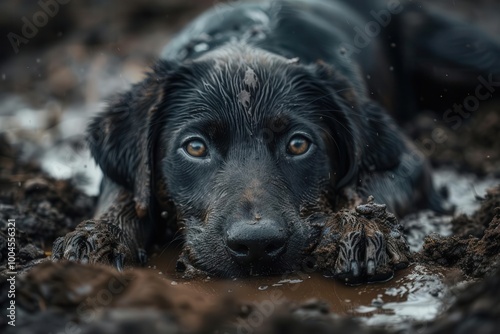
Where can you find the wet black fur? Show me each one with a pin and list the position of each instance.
(138, 140)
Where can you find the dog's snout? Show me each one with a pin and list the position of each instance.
(256, 242)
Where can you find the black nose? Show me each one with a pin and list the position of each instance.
(256, 241)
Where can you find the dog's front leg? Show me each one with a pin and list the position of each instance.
(114, 237)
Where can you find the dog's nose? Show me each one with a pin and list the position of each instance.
(256, 241)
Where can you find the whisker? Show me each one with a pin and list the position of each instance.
(352, 112)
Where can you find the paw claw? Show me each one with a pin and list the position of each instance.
(142, 256)
(119, 260)
(370, 267)
(355, 269)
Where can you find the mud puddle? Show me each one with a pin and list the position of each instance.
(415, 293)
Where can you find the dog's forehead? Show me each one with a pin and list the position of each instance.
(245, 86)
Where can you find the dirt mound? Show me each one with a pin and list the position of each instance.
(43, 208)
(475, 245)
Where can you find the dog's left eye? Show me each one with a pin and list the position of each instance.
(196, 148)
(298, 145)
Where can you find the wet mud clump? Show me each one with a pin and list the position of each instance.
(475, 246)
(91, 296)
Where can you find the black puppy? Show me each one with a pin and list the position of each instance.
(260, 121)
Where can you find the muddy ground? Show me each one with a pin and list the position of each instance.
(56, 81)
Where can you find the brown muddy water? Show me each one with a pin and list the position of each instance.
(415, 293)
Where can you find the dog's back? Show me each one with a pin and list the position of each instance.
(401, 54)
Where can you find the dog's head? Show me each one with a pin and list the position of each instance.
(245, 142)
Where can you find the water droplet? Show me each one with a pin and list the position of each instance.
(391, 68)
(263, 287)
(377, 302)
(200, 47)
(393, 45)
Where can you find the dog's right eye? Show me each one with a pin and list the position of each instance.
(196, 148)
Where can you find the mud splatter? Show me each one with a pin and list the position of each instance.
(244, 98)
(251, 78)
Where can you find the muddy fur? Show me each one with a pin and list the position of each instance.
(357, 222)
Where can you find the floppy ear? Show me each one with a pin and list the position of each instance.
(366, 138)
(334, 108)
(122, 138)
(383, 142)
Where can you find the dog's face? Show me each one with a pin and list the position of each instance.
(245, 143)
(246, 152)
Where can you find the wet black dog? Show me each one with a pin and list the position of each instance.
(262, 116)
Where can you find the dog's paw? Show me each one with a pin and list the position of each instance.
(97, 241)
(362, 245)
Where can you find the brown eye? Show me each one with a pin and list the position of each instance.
(196, 148)
(298, 145)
